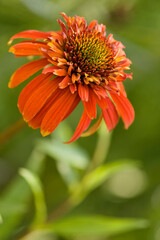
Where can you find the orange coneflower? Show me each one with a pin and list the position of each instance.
(77, 63)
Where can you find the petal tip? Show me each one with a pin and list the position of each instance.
(12, 50)
(10, 84)
(9, 42)
(45, 133)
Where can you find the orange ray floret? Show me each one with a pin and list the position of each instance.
(30, 89)
(77, 63)
(26, 71)
(27, 48)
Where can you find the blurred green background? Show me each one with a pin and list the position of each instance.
(126, 184)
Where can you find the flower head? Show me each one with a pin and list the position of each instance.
(77, 63)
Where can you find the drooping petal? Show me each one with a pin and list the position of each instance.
(38, 118)
(57, 112)
(121, 88)
(94, 128)
(100, 91)
(83, 91)
(30, 88)
(28, 48)
(33, 34)
(73, 106)
(124, 108)
(90, 106)
(102, 102)
(39, 98)
(82, 126)
(110, 115)
(26, 71)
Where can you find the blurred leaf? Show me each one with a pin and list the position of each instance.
(7, 209)
(70, 154)
(95, 178)
(96, 225)
(1, 219)
(34, 182)
(101, 152)
(17, 194)
(42, 8)
(40, 235)
(69, 174)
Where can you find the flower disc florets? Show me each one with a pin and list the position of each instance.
(80, 63)
(89, 53)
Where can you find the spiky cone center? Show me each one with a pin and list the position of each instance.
(87, 56)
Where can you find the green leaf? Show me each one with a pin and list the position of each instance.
(1, 219)
(17, 195)
(40, 235)
(95, 178)
(96, 226)
(69, 154)
(34, 182)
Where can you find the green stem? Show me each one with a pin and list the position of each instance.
(99, 156)
(11, 131)
(101, 149)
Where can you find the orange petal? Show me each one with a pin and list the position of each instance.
(74, 105)
(66, 18)
(94, 128)
(30, 88)
(73, 88)
(55, 48)
(124, 108)
(60, 72)
(63, 27)
(26, 71)
(82, 126)
(58, 36)
(100, 91)
(92, 25)
(27, 48)
(90, 106)
(53, 54)
(49, 69)
(37, 120)
(121, 88)
(83, 91)
(102, 102)
(64, 83)
(75, 77)
(39, 98)
(57, 112)
(110, 115)
(33, 34)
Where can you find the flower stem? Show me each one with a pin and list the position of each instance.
(11, 131)
(99, 156)
(61, 210)
(101, 149)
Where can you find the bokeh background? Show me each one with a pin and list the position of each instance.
(127, 182)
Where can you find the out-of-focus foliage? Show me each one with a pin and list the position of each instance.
(92, 185)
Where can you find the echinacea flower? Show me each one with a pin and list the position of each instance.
(77, 63)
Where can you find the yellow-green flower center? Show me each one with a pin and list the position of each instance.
(90, 52)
